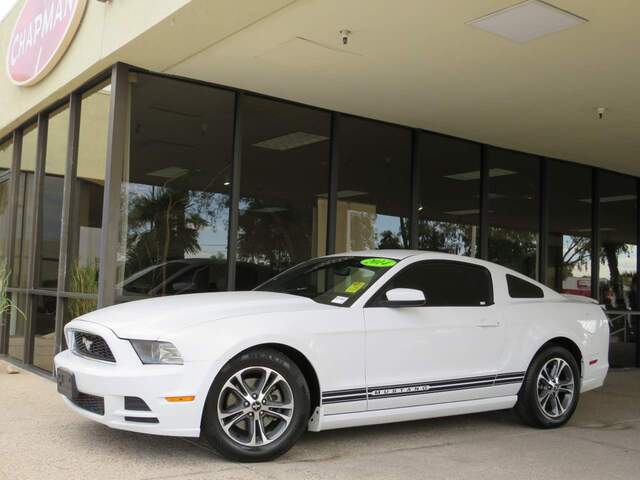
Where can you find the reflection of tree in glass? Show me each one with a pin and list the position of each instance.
(162, 228)
(514, 249)
(575, 254)
(610, 253)
(444, 237)
(389, 240)
(165, 224)
(273, 236)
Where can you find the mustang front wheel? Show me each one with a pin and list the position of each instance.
(258, 406)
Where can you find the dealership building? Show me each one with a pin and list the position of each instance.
(163, 147)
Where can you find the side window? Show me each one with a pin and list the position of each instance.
(519, 288)
(445, 283)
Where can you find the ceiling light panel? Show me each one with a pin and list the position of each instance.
(290, 141)
(472, 211)
(527, 21)
(169, 172)
(475, 174)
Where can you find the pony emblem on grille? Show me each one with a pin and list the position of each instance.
(87, 343)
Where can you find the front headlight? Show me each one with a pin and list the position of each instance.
(153, 352)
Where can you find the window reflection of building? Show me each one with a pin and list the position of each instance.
(449, 207)
(374, 179)
(283, 188)
(569, 240)
(175, 192)
(618, 242)
(88, 191)
(6, 154)
(514, 209)
(44, 308)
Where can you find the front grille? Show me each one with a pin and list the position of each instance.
(92, 346)
(90, 403)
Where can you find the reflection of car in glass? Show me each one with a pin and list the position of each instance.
(339, 341)
(192, 275)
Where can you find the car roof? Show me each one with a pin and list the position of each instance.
(400, 254)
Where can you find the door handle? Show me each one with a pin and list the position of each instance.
(485, 323)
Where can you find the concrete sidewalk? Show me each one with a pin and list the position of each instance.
(41, 439)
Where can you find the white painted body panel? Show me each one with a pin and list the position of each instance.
(349, 348)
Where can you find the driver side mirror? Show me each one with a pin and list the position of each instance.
(405, 297)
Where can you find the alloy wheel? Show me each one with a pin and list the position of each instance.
(255, 406)
(556, 387)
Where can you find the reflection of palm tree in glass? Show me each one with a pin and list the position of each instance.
(278, 237)
(164, 225)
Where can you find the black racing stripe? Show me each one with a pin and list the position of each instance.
(437, 382)
(514, 377)
(358, 398)
(507, 381)
(338, 393)
(428, 387)
(359, 394)
(426, 392)
(514, 374)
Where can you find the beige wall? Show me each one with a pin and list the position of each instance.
(152, 34)
(105, 28)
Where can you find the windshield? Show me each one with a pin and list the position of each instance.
(333, 281)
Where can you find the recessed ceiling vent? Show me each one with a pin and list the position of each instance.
(528, 20)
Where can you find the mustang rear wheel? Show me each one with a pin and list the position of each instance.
(258, 406)
(551, 389)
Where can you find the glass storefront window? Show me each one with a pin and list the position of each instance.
(449, 207)
(85, 226)
(283, 191)
(618, 241)
(374, 185)
(6, 154)
(514, 209)
(569, 241)
(17, 325)
(44, 320)
(25, 208)
(51, 203)
(175, 191)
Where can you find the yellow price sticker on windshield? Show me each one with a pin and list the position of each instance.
(354, 287)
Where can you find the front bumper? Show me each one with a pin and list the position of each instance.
(128, 377)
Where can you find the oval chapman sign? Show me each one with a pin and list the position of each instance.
(40, 37)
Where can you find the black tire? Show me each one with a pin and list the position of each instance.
(529, 407)
(223, 443)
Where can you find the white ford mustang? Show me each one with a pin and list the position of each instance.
(339, 341)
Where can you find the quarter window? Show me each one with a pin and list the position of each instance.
(445, 284)
(519, 288)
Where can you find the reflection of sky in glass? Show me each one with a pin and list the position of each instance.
(387, 222)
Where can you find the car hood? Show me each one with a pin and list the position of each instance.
(154, 318)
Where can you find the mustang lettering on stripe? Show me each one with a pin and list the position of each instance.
(388, 391)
